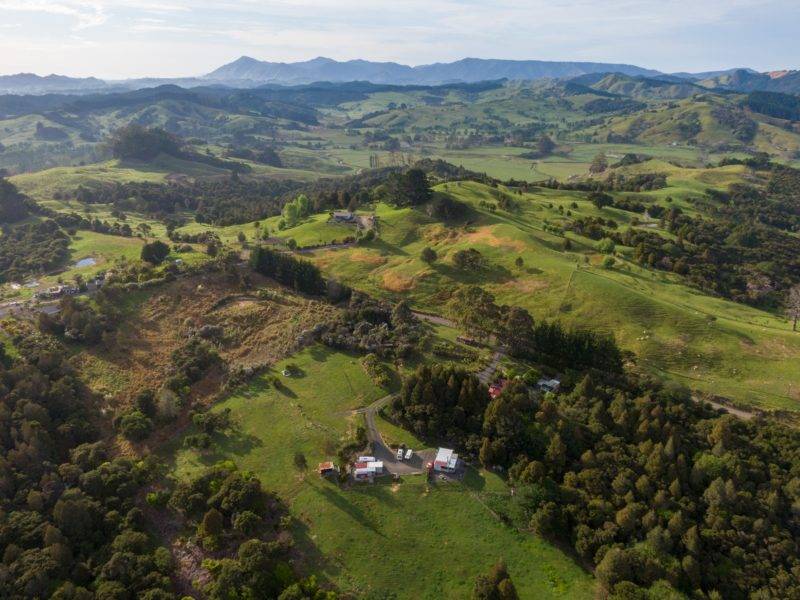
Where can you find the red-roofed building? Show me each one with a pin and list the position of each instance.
(497, 388)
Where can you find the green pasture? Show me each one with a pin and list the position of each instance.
(393, 540)
(711, 344)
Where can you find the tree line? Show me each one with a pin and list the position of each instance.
(297, 274)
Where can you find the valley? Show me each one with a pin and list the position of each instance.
(584, 287)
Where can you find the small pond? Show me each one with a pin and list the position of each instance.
(86, 262)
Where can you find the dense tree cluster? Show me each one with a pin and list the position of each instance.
(642, 481)
(444, 404)
(595, 228)
(48, 133)
(69, 527)
(732, 256)
(784, 182)
(775, 104)
(264, 155)
(232, 512)
(373, 326)
(617, 105)
(191, 362)
(32, 248)
(297, 274)
(410, 188)
(476, 311)
(14, 206)
(613, 182)
(469, 259)
(444, 207)
(82, 320)
(294, 210)
(649, 485)
(222, 201)
(154, 252)
(135, 141)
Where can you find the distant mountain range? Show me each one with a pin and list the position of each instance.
(467, 70)
(28, 83)
(247, 72)
(745, 80)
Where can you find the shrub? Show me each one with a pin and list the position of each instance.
(155, 252)
(135, 426)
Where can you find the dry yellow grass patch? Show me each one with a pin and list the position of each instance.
(395, 282)
(485, 235)
(365, 256)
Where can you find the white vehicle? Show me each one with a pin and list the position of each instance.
(399, 454)
(409, 454)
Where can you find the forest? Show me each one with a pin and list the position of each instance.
(642, 482)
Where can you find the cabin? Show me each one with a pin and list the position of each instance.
(326, 469)
(343, 216)
(446, 461)
(548, 385)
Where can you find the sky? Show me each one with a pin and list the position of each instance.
(117, 39)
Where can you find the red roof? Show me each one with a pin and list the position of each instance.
(497, 388)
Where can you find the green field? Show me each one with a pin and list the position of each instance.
(714, 345)
(396, 541)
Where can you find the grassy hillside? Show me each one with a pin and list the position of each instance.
(712, 344)
(408, 540)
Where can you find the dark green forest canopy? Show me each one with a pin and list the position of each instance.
(32, 248)
(635, 476)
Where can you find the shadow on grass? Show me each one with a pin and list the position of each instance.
(235, 443)
(474, 480)
(336, 498)
(492, 274)
(311, 558)
(386, 248)
(319, 352)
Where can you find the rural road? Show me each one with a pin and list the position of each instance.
(436, 319)
(485, 374)
(737, 412)
(383, 452)
(311, 249)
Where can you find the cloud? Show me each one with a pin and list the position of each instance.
(664, 34)
(84, 14)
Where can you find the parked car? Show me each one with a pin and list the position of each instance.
(400, 454)
(409, 454)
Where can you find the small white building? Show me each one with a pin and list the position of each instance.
(446, 461)
(343, 216)
(367, 470)
(548, 385)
